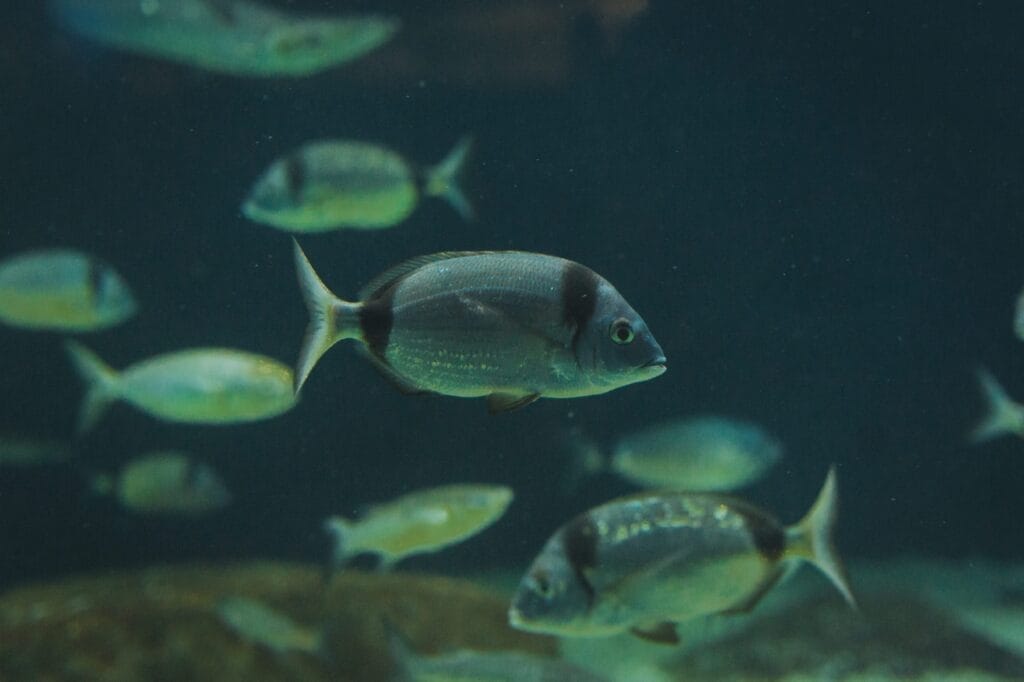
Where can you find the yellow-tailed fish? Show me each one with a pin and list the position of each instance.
(703, 453)
(644, 562)
(236, 37)
(330, 184)
(199, 386)
(259, 624)
(506, 325)
(423, 521)
(166, 483)
(63, 290)
(1005, 416)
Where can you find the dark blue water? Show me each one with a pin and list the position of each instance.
(817, 211)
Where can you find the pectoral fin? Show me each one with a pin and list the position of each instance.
(657, 633)
(505, 402)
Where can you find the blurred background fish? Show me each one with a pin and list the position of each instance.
(165, 483)
(331, 184)
(1004, 415)
(236, 37)
(258, 623)
(422, 521)
(701, 453)
(199, 386)
(63, 290)
(26, 451)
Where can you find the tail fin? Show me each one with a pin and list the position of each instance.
(443, 179)
(328, 318)
(1004, 415)
(102, 484)
(811, 538)
(101, 383)
(341, 531)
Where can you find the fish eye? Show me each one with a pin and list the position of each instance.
(543, 584)
(622, 331)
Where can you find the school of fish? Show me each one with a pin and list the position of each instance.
(508, 327)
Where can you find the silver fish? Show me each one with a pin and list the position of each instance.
(508, 325)
(644, 562)
(166, 483)
(236, 37)
(63, 290)
(330, 184)
(197, 385)
(706, 453)
(256, 622)
(468, 665)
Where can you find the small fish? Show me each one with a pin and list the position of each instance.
(234, 37)
(1005, 416)
(423, 521)
(697, 454)
(644, 562)
(331, 184)
(21, 451)
(63, 290)
(168, 483)
(259, 624)
(468, 665)
(508, 325)
(198, 386)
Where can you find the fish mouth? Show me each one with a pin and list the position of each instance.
(655, 364)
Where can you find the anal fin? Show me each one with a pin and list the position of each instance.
(506, 402)
(658, 633)
(749, 602)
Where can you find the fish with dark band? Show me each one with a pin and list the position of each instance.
(644, 562)
(331, 184)
(508, 325)
(64, 290)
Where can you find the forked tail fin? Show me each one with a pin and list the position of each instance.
(811, 538)
(443, 179)
(1003, 416)
(101, 382)
(330, 318)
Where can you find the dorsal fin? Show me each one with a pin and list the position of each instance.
(389, 277)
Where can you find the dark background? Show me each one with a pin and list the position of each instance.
(817, 210)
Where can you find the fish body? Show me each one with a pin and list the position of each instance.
(19, 451)
(1005, 416)
(234, 37)
(468, 665)
(642, 562)
(256, 622)
(331, 184)
(697, 454)
(422, 521)
(199, 386)
(62, 290)
(167, 483)
(508, 325)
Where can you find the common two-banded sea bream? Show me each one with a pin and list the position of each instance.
(195, 385)
(62, 289)
(237, 37)
(422, 521)
(644, 562)
(332, 184)
(506, 325)
(166, 483)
